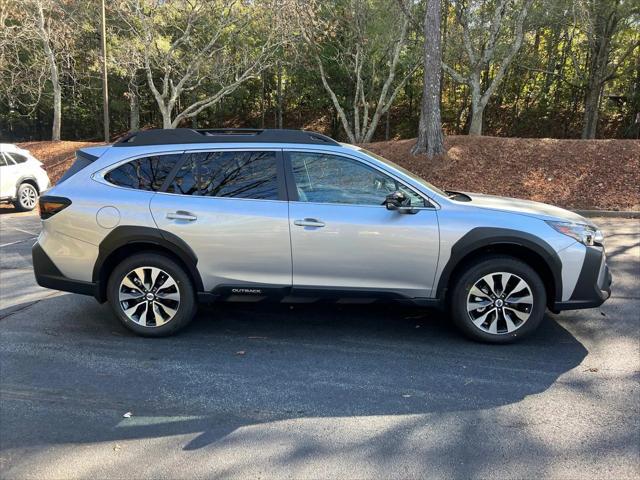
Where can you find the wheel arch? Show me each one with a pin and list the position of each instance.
(530, 249)
(30, 180)
(125, 241)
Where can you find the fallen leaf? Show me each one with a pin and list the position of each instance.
(128, 415)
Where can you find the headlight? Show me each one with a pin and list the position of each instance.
(585, 234)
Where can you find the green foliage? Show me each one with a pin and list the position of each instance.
(542, 94)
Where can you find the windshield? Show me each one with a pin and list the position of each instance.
(406, 172)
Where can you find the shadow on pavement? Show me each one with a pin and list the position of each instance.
(246, 364)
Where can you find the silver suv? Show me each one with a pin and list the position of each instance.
(164, 218)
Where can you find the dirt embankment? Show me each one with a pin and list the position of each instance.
(56, 156)
(578, 174)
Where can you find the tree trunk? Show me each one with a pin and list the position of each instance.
(476, 121)
(477, 107)
(591, 107)
(55, 75)
(430, 137)
(166, 119)
(279, 96)
(134, 112)
(57, 107)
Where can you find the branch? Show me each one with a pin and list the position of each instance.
(455, 75)
(506, 61)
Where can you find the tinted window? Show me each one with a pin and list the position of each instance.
(228, 174)
(324, 178)
(81, 162)
(6, 159)
(3, 162)
(17, 157)
(148, 173)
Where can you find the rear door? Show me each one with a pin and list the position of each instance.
(343, 238)
(230, 207)
(9, 173)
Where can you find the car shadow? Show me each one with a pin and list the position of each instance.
(78, 371)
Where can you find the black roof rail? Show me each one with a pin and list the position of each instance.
(222, 135)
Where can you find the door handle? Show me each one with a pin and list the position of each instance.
(308, 222)
(180, 215)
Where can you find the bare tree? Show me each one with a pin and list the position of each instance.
(430, 137)
(51, 23)
(187, 45)
(481, 49)
(23, 69)
(370, 66)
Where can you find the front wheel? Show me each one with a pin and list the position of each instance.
(498, 299)
(152, 295)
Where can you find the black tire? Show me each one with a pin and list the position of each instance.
(474, 272)
(186, 308)
(26, 198)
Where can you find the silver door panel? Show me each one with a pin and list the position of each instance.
(363, 247)
(237, 241)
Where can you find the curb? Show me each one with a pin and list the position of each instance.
(608, 213)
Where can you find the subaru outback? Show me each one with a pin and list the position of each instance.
(165, 218)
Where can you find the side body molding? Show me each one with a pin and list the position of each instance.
(481, 238)
(131, 235)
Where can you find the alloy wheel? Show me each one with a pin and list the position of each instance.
(28, 197)
(149, 296)
(500, 303)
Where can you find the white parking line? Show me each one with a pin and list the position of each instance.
(24, 231)
(18, 241)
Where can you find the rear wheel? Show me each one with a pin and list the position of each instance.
(151, 295)
(498, 299)
(26, 198)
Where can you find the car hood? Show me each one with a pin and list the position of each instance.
(525, 207)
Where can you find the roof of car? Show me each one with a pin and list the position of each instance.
(10, 147)
(222, 135)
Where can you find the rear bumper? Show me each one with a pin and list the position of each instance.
(48, 275)
(594, 283)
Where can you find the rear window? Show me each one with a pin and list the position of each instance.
(82, 160)
(228, 174)
(16, 157)
(148, 173)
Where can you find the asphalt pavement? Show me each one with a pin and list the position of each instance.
(314, 391)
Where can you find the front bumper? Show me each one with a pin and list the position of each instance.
(594, 283)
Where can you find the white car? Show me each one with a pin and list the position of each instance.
(22, 178)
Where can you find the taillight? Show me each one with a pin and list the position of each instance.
(50, 205)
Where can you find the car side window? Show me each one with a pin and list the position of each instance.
(228, 174)
(148, 173)
(17, 158)
(3, 162)
(326, 178)
(6, 159)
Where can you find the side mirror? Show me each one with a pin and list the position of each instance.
(398, 201)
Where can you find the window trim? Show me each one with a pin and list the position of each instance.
(293, 191)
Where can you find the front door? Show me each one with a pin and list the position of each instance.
(230, 207)
(344, 238)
